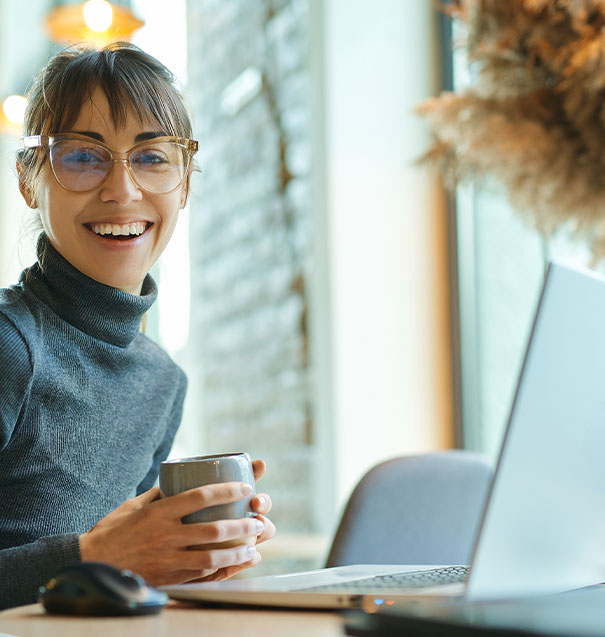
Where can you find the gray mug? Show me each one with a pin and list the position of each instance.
(182, 474)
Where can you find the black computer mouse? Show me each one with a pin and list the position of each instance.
(94, 588)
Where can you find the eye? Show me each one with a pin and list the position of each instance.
(149, 158)
(81, 157)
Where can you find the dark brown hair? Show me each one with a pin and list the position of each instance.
(128, 76)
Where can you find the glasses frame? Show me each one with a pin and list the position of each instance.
(46, 142)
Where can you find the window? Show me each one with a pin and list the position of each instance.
(501, 264)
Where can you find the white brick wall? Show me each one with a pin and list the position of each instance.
(250, 243)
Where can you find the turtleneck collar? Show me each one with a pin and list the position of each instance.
(97, 309)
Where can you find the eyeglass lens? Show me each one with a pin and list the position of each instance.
(157, 167)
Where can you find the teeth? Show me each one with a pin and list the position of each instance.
(115, 229)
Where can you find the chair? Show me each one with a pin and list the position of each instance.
(421, 509)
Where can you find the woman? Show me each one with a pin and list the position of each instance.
(88, 405)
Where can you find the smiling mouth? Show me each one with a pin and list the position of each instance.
(119, 231)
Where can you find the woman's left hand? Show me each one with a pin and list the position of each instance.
(261, 505)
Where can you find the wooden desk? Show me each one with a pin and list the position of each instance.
(175, 620)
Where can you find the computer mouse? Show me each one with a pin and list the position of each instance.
(95, 588)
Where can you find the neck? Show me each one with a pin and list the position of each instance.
(102, 311)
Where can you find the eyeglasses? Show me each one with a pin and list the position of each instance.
(158, 165)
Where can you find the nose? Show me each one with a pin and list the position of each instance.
(119, 186)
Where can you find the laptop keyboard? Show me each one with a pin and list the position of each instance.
(416, 579)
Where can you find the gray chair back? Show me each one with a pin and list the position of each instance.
(421, 509)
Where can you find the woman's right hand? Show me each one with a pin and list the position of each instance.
(146, 535)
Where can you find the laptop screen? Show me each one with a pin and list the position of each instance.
(544, 525)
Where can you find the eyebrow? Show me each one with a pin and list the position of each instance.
(141, 137)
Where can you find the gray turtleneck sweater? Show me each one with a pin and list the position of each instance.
(88, 409)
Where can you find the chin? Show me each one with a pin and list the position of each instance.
(130, 288)
(121, 283)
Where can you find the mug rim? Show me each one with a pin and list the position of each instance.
(214, 456)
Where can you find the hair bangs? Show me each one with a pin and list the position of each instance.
(143, 96)
(129, 84)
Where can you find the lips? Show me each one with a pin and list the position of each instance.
(119, 231)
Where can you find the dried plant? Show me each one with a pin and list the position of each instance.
(535, 117)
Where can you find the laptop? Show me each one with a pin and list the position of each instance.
(543, 526)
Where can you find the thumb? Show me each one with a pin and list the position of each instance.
(140, 501)
(148, 496)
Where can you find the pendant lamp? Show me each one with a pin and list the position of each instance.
(96, 23)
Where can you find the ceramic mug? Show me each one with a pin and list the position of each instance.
(181, 474)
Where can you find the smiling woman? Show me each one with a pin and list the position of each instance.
(78, 136)
(88, 405)
(83, 185)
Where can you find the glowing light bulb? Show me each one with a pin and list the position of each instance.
(98, 15)
(14, 108)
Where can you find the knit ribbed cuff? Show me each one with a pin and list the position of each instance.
(25, 568)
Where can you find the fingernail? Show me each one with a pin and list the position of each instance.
(251, 551)
(246, 489)
(262, 501)
(259, 527)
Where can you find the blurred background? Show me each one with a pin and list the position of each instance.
(330, 304)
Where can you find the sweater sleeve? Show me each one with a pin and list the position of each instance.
(16, 370)
(25, 568)
(174, 420)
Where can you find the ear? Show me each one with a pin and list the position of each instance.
(185, 191)
(25, 188)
